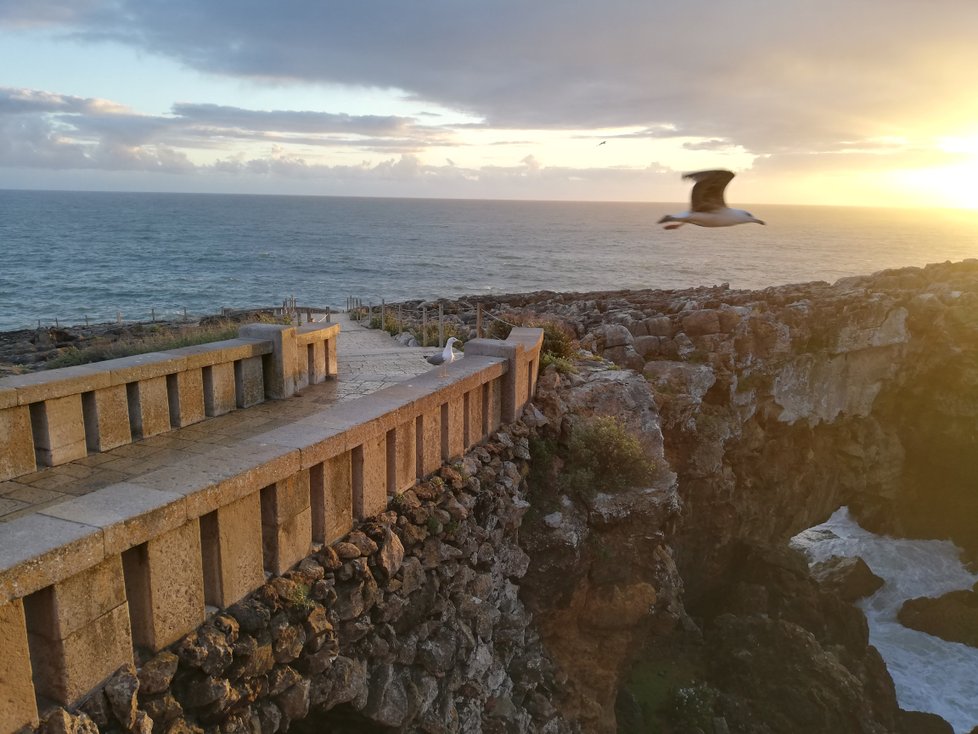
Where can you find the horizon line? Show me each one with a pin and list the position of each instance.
(470, 199)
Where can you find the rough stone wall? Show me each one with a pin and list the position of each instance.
(413, 623)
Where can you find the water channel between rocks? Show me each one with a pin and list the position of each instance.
(929, 673)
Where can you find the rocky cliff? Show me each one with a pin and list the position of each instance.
(519, 593)
(771, 408)
(777, 406)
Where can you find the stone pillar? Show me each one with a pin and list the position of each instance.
(231, 538)
(331, 490)
(318, 363)
(279, 366)
(17, 703)
(456, 436)
(78, 631)
(495, 403)
(16, 442)
(475, 433)
(186, 397)
(513, 353)
(331, 366)
(249, 382)
(405, 456)
(303, 370)
(286, 519)
(430, 442)
(58, 427)
(529, 342)
(165, 586)
(149, 407)
(370, 477)
(219, 393)
(106, 418)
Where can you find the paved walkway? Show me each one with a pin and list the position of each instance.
(368, 360)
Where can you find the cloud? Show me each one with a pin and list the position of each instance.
(292, 121)
(48, 129)
(766, 75)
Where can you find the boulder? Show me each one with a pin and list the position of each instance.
(848, 578)
(698, 323)
(952, 617)
(921, 722)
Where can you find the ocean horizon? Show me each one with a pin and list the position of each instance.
(71, 256)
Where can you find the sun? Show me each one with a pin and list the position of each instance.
(952, 186)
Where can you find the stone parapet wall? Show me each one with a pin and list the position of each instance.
(134, 566)
(57, 416)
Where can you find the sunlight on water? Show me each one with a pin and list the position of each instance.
(929, 673)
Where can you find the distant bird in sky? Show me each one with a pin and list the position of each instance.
(443, 358)
(708, 209)
(602, 143)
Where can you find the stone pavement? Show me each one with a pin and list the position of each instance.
(368, 360)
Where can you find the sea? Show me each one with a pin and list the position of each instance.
(929, 673)
(67, 257)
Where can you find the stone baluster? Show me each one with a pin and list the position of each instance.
(279, 367)
(286, 519)
(16, 438)
(78, 631)
(17, 702)
(370, 477)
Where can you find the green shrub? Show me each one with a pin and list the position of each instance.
(390, 325)
(543, 451)
(602, 453)
(562, 364)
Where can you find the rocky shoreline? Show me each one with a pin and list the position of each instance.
(675, 605)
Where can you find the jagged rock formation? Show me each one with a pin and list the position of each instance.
(778, 406)
(518, 604)
(952, 617)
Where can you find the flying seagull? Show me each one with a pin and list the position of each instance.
(708, 209)
(445, 357)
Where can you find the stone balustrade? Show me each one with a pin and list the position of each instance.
(53, 417)
(85, 583)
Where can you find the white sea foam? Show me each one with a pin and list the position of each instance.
(929, 673)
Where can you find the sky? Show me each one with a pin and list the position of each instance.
(855, 102)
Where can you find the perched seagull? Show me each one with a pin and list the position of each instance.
(708, 209)
(443, 358)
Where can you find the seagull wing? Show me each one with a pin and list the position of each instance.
(435, 359)
(707, 193)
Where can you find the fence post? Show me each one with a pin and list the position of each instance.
(478, 320)
(424, 326)
(441, 325)
(383, 314)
